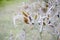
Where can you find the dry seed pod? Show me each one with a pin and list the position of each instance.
(35, 17)
(46, 5)
(44, 10)
(26, 20)
(44, 23)
(25, 13)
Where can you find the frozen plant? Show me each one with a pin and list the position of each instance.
(43, 14)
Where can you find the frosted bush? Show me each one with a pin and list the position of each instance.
(40, 18)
